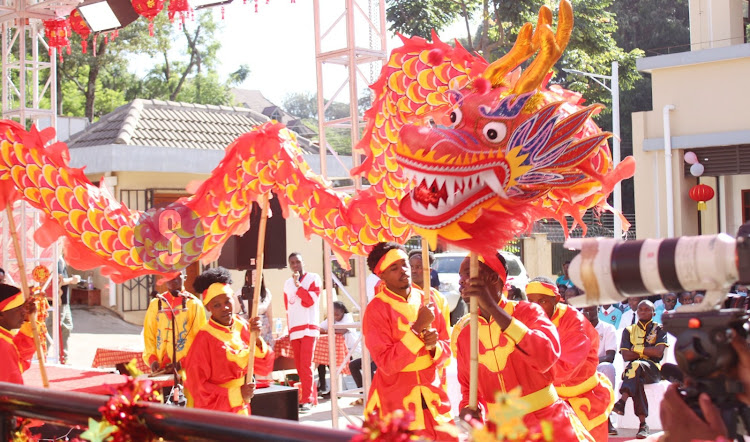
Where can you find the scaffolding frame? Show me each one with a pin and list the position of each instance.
(29, 94)
(352, 55)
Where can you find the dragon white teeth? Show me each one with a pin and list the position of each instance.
(440, 181)
(491, 180)
(451, 198)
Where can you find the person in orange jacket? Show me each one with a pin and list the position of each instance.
(408, 341)
(16, 350)
(575, 377)
(518, 347)
(217, 362)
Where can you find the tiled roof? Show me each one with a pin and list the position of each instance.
(169, 124)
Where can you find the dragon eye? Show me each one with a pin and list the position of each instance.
(456, 116)
(495, 131)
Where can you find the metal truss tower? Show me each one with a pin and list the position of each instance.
(29, 83)
(349, 35)
(29, 94)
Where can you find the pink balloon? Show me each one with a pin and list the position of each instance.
(691, 157)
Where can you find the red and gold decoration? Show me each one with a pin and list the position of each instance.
(506, 422)
(391, 428)
(40, 274)
(56, 33)
(701, 193)
(42, 306)
(149, 9)
(178, 7)
(120, 421)
(79, 26)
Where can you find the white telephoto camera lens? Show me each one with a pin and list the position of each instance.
(609, 270)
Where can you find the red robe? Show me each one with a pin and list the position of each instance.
(576, 379)
(16, 351)
(216, 365)
(521, 356)
(408, 376)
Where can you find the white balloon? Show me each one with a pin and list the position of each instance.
(697, 169)
(691, 157)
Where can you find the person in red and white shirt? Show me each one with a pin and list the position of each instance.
(301, 296)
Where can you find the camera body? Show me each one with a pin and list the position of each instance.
(703, 346)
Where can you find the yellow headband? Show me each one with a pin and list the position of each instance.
(216, 289)
(542, 288)
(12, 302)
(388, 259)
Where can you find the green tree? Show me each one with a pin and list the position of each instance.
(420, 17)
(98, 82)
(103, 71)
(301, 104)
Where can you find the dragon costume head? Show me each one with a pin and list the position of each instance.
(509, 151)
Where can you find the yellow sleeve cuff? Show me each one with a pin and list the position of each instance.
(516, 330)
(235, 397)
(438, 352)
(26, 329)
(412, 342)
(262, 351)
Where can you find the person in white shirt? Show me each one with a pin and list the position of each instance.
(301, 299)
(341, 316)
(630, 317)
(607, 348)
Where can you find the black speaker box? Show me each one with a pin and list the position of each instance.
(239, 252)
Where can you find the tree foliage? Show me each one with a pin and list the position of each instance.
(420, 17)
(305, 105)
(183, 67)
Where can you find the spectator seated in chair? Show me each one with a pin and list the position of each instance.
(642, 347)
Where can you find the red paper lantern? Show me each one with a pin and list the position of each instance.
(178, 6)
(701, 193)
(56, 32)
(149, 9)
(81, 28)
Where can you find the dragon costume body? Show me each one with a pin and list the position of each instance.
(510, 150)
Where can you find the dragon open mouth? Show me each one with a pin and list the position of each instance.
(437, 200)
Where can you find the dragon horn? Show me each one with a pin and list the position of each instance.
(544, 18)
(552, 46)
(522, 49)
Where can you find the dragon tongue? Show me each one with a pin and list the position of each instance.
(491, 180)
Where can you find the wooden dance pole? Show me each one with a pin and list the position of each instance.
(474, 335)
(263, 202)
(425, 271)
(426, 276)
(25, 289)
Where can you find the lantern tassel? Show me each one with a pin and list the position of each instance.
(701, 205)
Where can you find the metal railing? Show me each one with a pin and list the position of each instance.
(169, 422)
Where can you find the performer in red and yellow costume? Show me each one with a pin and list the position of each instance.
(160, 341)
(408, 341)
(216, 364)
(518, 346)
(576, 379)
(16, 349)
